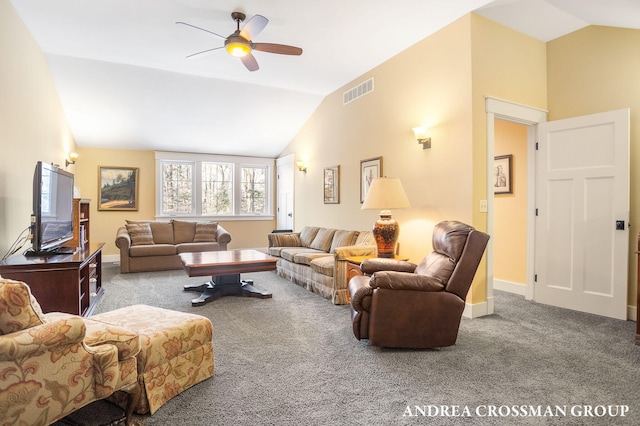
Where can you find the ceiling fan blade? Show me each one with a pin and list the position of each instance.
(198, 28)
(254, 27)
(204, 52)
(281, 49)
(250, 62)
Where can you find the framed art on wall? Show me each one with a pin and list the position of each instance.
(502, 174)
(332, 185)
(117, 188)
(369, 170)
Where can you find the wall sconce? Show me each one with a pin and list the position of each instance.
(301, 166)
(73, 157)
(421, 136)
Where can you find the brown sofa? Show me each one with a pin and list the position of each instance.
(155, 245)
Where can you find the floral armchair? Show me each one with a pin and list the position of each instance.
(53, 364)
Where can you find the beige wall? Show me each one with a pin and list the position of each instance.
(427, 84)
(507, 65)
(440, 82)
(594, 70)
(33, 125)
(510, 210)
(104, 224)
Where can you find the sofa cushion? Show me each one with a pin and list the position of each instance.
(152, 250)
(343, 239)
(307, 235)
(289, 253)
(305, 258)
(365, 238)
(183, 231)
(162, 232)
(285, 240)
(205, 232)
(197, 247)
(323, 265)
(322, 240)
(140, 233)
(19, 310)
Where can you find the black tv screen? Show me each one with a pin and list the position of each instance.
(52, 220)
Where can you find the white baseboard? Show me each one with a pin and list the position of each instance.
(111, 258)
(477, 310)
(632, 313)
(509, 286)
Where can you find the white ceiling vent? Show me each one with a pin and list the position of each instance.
(357, 92)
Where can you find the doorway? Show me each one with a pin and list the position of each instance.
(577, 208)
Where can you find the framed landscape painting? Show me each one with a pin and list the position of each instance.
(369, 170)
(332, 185)
(118, 188)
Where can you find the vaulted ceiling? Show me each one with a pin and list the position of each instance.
(124, 80)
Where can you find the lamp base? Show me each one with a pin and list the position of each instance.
(386, 231)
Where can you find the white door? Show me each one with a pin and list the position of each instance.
(284, 217)
(582, 206)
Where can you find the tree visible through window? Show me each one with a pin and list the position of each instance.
(177, 188)
(217, 189)
(253, 194)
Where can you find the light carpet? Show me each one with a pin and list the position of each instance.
(293, 360)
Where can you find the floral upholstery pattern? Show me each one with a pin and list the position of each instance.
(18, 308)
(176, 351)
(46, 368)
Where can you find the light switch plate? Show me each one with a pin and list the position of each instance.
(484, 206)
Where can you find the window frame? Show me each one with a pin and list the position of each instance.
(238, 162)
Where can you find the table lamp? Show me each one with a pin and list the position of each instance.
(385, 194)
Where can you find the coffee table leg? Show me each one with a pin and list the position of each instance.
(248, 290)
(225, 285)
(198, 287)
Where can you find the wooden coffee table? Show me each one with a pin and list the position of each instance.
(225, 268)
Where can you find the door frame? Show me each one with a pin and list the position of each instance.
(530, 116)
(287, 160)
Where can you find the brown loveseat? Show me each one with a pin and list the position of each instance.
(155, 245)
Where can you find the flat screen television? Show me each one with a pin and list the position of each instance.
(52, 218)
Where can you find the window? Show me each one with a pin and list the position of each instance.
(191, 185)
(177, 188)
(254, 189)
(217, 189)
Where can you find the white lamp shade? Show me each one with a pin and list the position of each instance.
(385, 194)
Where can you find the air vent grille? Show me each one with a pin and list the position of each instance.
(357, 92)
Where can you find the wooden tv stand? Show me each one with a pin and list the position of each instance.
(68, 283)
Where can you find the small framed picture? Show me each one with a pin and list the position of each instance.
(502, 174)
(369, 170)
(117, 188)
(332, 185)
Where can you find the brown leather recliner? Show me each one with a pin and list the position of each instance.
(404, 305)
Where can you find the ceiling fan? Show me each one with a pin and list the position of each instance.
(240, 44)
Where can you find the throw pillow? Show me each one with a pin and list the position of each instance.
(140, 233)
(19, 310)
(307, 235)
(183, 231)
(343, 239)
(323, 239)
(205, 232)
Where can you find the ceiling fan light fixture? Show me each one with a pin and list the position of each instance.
(237, 48)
